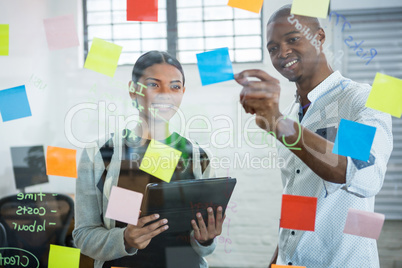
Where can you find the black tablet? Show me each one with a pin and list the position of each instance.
(180, 201)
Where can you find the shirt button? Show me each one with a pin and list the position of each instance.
(289, 263)
(298, 171)
(293, 232)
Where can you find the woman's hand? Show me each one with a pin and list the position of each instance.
(205, 234)
(138, 236)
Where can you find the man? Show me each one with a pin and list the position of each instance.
(323, 98)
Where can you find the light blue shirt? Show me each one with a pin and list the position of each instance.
(328, 246)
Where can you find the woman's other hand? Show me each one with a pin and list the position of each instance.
(139, 236)
(205, 234)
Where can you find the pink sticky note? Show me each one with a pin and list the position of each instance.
(61, 32)
(124, 205)
(364, 223)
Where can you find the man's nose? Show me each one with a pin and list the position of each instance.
(284, 51)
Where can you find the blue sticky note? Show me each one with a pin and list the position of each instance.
(215, 66)
(14, 103)
(354, 139)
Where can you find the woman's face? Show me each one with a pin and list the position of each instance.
(163, 93)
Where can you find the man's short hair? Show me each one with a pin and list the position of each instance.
(285, 11)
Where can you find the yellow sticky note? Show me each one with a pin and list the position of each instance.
(249, 5)
(284, 266)
(103, 57)
(160, 160)
(310, 8)
(386, 95)
(61, 162)
(64, 257)
(4, 39)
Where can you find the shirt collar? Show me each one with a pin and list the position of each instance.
(328, 84)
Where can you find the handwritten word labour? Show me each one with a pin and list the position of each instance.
(37, 83)
(356, 46)
(305, 30)
(18, 258)
(30, 227)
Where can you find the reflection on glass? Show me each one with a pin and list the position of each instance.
(29, 166)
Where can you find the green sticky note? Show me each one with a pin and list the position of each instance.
(386, 95)
(103, 57)
(160, 160)
(4, 39)
(64, 257)
(310, 8)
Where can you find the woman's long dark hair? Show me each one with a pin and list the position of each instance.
(154, 57)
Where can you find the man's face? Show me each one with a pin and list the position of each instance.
(292, 54)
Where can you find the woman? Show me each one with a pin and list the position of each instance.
(157, 89)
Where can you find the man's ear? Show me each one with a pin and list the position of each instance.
(321, 34)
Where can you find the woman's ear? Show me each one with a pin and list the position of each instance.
(184, 89)
(131, 90)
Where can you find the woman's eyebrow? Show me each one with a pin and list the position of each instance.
(151, 78)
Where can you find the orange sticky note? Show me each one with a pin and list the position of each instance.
(298, 212)
(249, 5)
(281, 266)
(142, 10)
(61, 162)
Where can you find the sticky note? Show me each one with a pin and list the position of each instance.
(124, 205)
(14, 103)
(4, 39)
(298, 212)
(61, 32)
(63, 257)
(160, 160)
(354, 139)
(103, 57)
(61, 162)
(310, 8)
(215, 66)
(364, 223)
(249, 5)
(142, 10)
(386, 95)
(283, 266)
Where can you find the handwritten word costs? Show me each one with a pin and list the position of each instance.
(37, 82)
(305, 30)
(133, 90)
(360, 52)
(18, 257)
